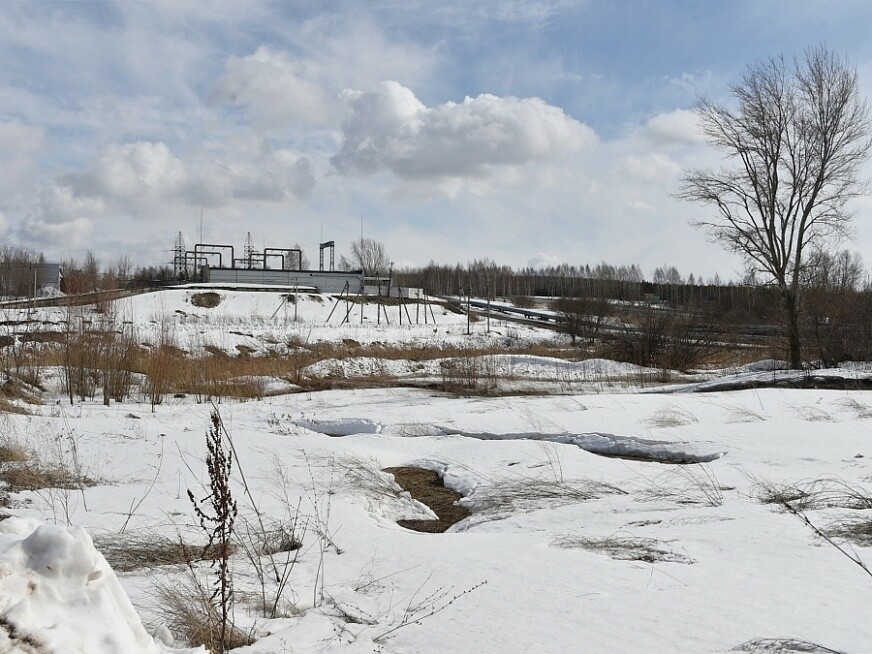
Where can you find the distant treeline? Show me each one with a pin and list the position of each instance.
(624, 283)
(16, 271)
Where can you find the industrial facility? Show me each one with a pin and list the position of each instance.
(216, 263)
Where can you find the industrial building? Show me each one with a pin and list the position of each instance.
(216, 263)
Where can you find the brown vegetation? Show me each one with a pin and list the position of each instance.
(427, 487)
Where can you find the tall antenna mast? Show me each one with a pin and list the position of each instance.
(248, 253)
(179, 264)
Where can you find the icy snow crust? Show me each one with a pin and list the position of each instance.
(597, 443)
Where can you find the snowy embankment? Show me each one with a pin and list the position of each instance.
(267, 321)
(58, 594)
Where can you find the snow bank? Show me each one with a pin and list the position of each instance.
(606, 444)
(58, 594)
(601, 443)
(347, 427)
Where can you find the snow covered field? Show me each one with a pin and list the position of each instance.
(585, 533)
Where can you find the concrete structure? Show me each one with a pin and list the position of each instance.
(324, 280)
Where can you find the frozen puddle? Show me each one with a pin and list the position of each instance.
(601, 443)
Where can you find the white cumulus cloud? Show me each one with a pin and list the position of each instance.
(542, 260)
(19, 146)
(62, 218)
(135, 170)
(390, 129)
(677, 127)
(275, 89)
(148, 180)
(652, 167)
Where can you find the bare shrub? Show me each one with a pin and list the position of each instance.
(658, 336)
(469, 373)
(161, 361)
(217, 513)
(583, 317)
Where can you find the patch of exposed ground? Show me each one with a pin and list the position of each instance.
(428, 488)
(815, 382)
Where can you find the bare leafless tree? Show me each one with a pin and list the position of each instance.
(369, 255)
(797, 138)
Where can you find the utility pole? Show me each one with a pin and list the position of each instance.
(468, 314)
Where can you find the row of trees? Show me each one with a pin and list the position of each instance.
(17, 267)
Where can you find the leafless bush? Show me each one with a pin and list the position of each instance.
(160, 361)
(469, 373)
(660, 336)
(583, 317)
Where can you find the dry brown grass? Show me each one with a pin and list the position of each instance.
(207, 300)
(14, 392)
(213, 374)
(150, 551)
(857, 531)
(12, 452)
(623, 548)
(427, 487)
(824, 492)
(33, 475)
(191, 614)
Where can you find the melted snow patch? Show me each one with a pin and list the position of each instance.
(57, 591)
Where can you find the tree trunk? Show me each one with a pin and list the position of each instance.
(791, 320)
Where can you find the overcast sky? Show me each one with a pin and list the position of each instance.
(524, 131)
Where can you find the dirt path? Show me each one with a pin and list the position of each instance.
(427, 487)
